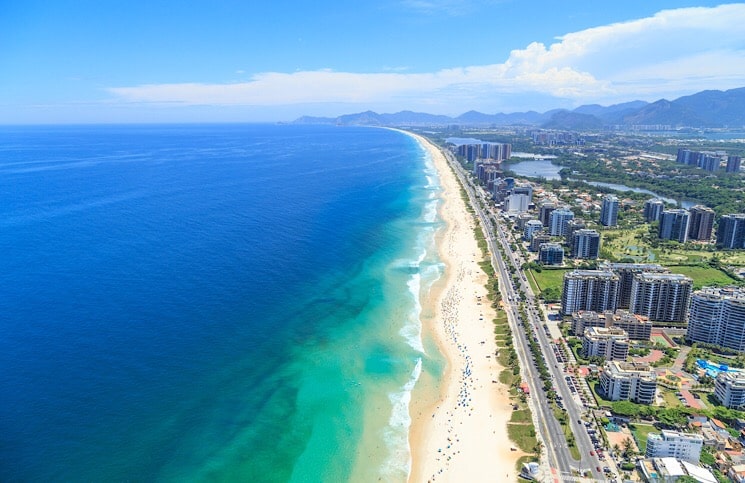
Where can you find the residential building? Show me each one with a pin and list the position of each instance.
(611, 343)
(628, 381)
(522, 219)
(701, 223)
(609, 211)
(626, 272)
(551, 254)
(674, 225)
(717, 316)
(663, 297)
(539, 239)
(637, 327)
(653, 209)
(729, 389)
(731, 231)
(517, 202)
(544, 214)
(559, 220)
(674, 444)
(531, 228)
(586, 244)
(733, 164)
(573, 225)
(595, 290)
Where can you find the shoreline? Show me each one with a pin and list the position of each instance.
(462, 435)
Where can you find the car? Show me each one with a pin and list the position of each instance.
(592, 453)
(597, 468)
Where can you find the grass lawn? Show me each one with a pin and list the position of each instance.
(550, 278)
(703, 276)
(640, 432)
(670, 399)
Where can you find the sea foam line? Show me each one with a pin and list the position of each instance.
(397, 433)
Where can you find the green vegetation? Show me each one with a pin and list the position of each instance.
(703, 275)
(640, 432)
(523, 436)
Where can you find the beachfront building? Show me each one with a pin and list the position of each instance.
(717, 316)
(674, 444)
(731, 231)
(610, 343)
(653, 209)
(674, 225)
(551, 254)
(531, 228)
(670, 470)
(701, 223)
(663, 297)
(637, 327)
(595, 290)
(729, 389)
(628, 381)
(559, 220)
(626, 272)
(586, 244)
(609, 211)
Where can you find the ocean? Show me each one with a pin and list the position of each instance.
(213, 302)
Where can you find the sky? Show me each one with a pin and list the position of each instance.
(109, 61)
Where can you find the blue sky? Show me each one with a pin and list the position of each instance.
(68, 61)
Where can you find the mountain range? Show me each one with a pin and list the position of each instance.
(705, 109)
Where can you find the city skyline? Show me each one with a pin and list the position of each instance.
(76, 61)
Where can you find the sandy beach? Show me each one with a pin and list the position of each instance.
(463, 436)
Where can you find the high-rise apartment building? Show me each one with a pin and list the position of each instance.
(531, 228)
(733, 164)
(609, 211)
(653, 209)
(544, 213)
(663, 297)
(595, 290)
(539, 239)
(585, 244)
(674, 225)
(572, 226)
(731, 231)
(559, 220)
(717, 316)
(626, 272)
(551, 254)
(701, 223)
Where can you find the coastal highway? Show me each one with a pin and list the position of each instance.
(548, 428)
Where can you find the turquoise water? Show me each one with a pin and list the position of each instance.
(223, 303)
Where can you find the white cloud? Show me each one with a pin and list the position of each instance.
(672, 53)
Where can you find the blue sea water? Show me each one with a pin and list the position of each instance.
(211, 302)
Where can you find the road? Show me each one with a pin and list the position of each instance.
(548, 428)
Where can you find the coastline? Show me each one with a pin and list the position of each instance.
(462, 435)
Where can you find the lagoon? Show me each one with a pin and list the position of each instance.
(544, 168)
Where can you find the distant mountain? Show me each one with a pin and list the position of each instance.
(573, 121)
(611, 114)
(704, 109)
